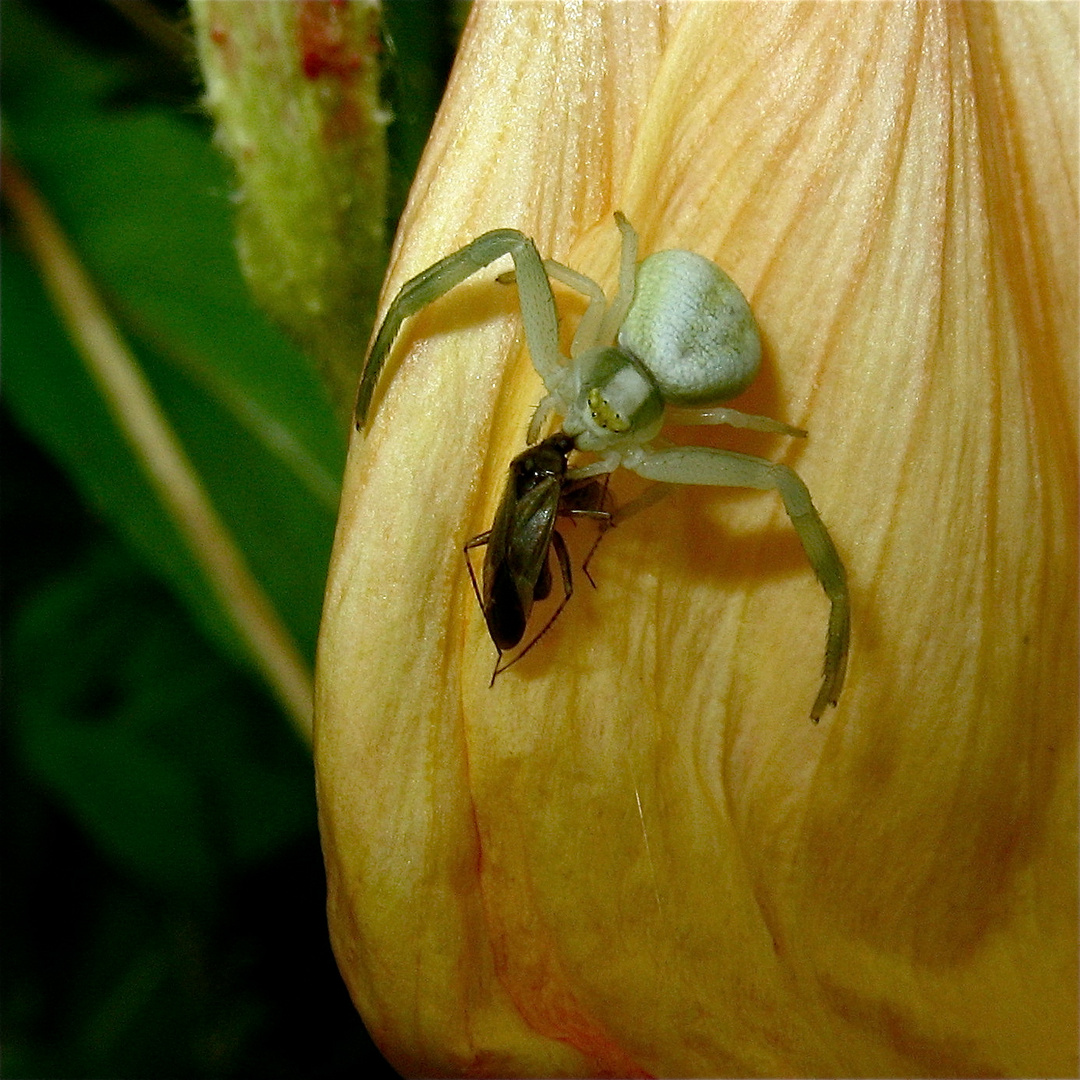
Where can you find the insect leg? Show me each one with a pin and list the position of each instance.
(589, 499)
(480, 540)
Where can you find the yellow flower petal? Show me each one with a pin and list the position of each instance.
(634, 855)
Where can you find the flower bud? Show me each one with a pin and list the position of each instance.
(633, 854)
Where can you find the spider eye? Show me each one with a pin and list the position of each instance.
(617, 399)
(607, 417)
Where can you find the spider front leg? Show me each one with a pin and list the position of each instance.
(587, 328)
(534, 296)
(716, 414)
(601, 321)
(726, 468)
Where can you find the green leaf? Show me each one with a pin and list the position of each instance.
(146, 738)
(165, 898)
(145, 198)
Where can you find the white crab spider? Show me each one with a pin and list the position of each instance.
(677, 338)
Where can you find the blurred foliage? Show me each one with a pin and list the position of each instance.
(163, 898)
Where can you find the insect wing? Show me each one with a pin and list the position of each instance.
(530, 538)
(504, 611)
(515, 565)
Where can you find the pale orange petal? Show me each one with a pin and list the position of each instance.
(634, 854)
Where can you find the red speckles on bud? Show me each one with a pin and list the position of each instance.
(310, 155)
(326, 46)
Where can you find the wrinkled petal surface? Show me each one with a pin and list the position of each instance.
(634, 855)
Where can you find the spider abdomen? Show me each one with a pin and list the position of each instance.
(692, 328)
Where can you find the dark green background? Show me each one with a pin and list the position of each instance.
(162, 893)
